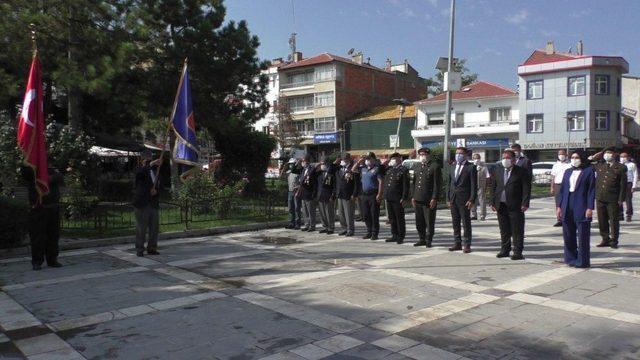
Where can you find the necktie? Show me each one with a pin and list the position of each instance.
(506, 175)
(458, 170)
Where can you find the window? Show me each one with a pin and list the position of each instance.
(602, 120)
(266, 129)
(435, 119)
(325, 73)
(576, 121)
(534, 123)
(324, 99)
(459, 120)
(300, 103)
(298, 79)
(303, 127)
(326, 124)
(577, 85)
(602, 84)
(500, 114)
(534, 89)
(619, 87)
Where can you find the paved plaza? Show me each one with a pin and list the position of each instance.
(280, 294)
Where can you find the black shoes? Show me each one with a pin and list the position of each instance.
(311, 229)
(558, 224)
(400, 240)
(614, 245)
(367, 236)
(502, 254)
(54, 264)
(374, 237)
(349, 234)
(343, 233)
(604, 243)
(474, 218)
(153, 252)
(304, 229)
(323, 231)
(467, 249)
(139, 253)
(456, 247)
(290, 226)
(36, 267)
(517, 257)
(420, 242)
(391, 239)
(329, 232)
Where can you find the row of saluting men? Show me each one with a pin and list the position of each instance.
(367, 182)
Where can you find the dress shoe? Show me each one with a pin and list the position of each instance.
(36, 267)
(139, 254)
(391, 239)
(400, 241)
(474, 218)
(367, 236)
(290, 226)
(614, 245)
(420, 242)
(54, 264)
(604, 244)
(502, 254)
(349, 234)
(329, 232)
(297, 227)
(343, 233)
(628, 219)
(467, 249)
(557, 224)
(455, 247)
(428, 244)
(482, 218)
(517, 257)
(374, 237)
(323, 231)
(311, 229)
(304, 229)
(153, 252)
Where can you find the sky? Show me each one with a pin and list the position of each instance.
(495, 36)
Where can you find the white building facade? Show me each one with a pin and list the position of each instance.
(484, 118)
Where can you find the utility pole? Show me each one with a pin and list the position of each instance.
(401, 103)
(447, 112)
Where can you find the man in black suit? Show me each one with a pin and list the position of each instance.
(308, 192)
(511, 191)
(146, 204)
(461, 195)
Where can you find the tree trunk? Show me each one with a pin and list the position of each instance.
(74, 100)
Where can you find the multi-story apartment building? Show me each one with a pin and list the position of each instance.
(630, 111)
(273, 85)
(484, 118)
(324, 91)
(569, 101)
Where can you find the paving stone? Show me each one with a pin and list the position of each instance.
(311, 352)
(426, 352)
(338, 343)
(41, 344)
(364, 351)
(368, 334)
(395, 343)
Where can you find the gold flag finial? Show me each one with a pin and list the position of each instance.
(32, 28)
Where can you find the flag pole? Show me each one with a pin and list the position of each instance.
(169, 123)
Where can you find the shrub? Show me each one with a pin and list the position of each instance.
(202, 195)
(13, 222)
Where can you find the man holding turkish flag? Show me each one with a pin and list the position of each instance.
(44, 216)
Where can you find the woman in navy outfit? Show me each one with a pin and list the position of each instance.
(577, 198)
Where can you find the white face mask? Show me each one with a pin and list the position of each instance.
(562, 157)
(343, 163)
(475, 161)
(423, 158)
(323, 167)
(576, 162)
(608, 157)
(367, 163)
(624, 160)
(393, 162)
(517, 153)
(506, 163)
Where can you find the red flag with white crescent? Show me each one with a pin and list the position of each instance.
(31, 129)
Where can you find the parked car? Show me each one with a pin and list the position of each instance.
(542, 172)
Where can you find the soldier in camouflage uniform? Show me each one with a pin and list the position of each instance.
(611, 187)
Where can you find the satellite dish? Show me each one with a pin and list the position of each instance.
(350, 52)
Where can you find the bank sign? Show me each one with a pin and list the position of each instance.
(328, 138)
(470, 143)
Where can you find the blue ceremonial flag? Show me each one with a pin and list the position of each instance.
(185, 149)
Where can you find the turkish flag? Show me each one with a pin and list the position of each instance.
(31, 129)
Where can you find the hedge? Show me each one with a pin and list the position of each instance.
(13, 222)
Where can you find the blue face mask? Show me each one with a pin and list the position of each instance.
(460, 157)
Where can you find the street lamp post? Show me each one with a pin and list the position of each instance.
(447, 112)
(401, 103)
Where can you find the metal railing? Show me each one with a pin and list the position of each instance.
(296, 84)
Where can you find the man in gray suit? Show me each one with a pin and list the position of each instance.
(481, 200)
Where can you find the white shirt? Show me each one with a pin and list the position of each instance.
(557, 171)
(153, 176)
(573, 180)
(458, 169)
(632, 173)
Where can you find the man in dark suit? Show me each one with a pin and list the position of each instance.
(396, 192)
(427, 180)
(511, 191)
(308, 191)
(522, 161)
(611, 191)
(345, 193)
(462, 191)
(146, 204)
(326, 196)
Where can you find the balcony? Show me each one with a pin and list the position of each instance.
(296, 85)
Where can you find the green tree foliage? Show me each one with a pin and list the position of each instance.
(434, 85)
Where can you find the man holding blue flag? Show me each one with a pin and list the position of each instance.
(185, 149)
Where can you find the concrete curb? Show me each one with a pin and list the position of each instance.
(73, 244)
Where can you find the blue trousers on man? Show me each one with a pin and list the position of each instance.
(577, 237)
(295, 209)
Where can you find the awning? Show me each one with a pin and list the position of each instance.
(107, 152)
(380, 152)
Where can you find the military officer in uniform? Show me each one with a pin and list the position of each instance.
(396, 192)
(425, 195)
(611, 191)
(483, 174)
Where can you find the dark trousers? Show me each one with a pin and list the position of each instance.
(395, 213)
(628, 201)
(460, 214)
(371, 213)
(44, 233)
(425, 220)
(147, 219)
(511, 225)
(608, 221)
(295, 209)
(556, 192)
(576, 239)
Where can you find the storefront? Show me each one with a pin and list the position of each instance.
(488, 148)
